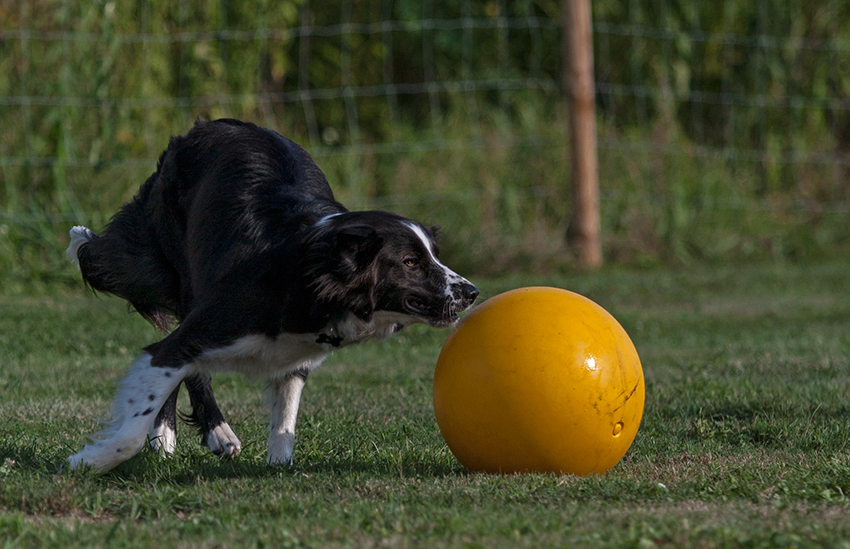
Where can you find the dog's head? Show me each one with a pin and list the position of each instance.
(378, 262)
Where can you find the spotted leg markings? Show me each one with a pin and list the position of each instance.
(223, 442)
(142, 393)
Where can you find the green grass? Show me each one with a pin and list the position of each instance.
(745, 439)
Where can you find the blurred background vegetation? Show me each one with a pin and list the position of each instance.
(724, 126)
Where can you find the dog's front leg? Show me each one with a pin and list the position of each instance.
(285, 397)
(139, 399)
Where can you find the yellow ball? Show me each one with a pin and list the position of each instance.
(539, 379)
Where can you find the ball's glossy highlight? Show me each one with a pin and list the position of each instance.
(539, 380)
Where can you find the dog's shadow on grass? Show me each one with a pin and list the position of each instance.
(38, 460)
(188, 468)
(237, 469)
(16, 457)
(382, 468)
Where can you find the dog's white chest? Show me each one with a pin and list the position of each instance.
(260, 356)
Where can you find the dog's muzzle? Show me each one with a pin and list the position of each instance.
(443, 311)
(463, 295)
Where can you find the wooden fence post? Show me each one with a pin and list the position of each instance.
(583, 232)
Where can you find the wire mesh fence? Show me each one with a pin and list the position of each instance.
(724, 127)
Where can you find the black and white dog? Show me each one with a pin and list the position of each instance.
(238, 238)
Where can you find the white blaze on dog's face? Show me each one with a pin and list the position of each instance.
(381, 263)
(413, 281)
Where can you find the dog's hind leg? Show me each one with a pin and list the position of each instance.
(163, 433)
(140, 397)
(216, 434)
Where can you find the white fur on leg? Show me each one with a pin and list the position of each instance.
(79, 236)
(141, 395)
(286, 395)
(281, 447)
(163, 439)
(222, 441)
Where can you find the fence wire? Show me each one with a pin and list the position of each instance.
(92, 90)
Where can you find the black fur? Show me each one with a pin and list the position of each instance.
(236, 233)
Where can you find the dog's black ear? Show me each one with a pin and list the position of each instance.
(340, 267)
(357, 247)
(359, 244)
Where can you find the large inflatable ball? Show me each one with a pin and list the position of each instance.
(539, 380)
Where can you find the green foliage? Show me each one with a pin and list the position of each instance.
(723, 128)
(743, 441)
(760, 81)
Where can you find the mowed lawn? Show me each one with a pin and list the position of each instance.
(745, 438)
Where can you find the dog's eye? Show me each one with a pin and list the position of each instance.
(411, 262)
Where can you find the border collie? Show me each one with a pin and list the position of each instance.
(238, 238)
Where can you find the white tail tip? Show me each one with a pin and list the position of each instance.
(79, 236)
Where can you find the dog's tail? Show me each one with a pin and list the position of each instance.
(127, 269)
(79, 237)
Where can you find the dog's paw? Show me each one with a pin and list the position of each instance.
(163, 439)
(223, 442)
(76, 462)
(281, 446)
(102, 456)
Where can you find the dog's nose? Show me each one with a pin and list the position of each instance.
(470, 292)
